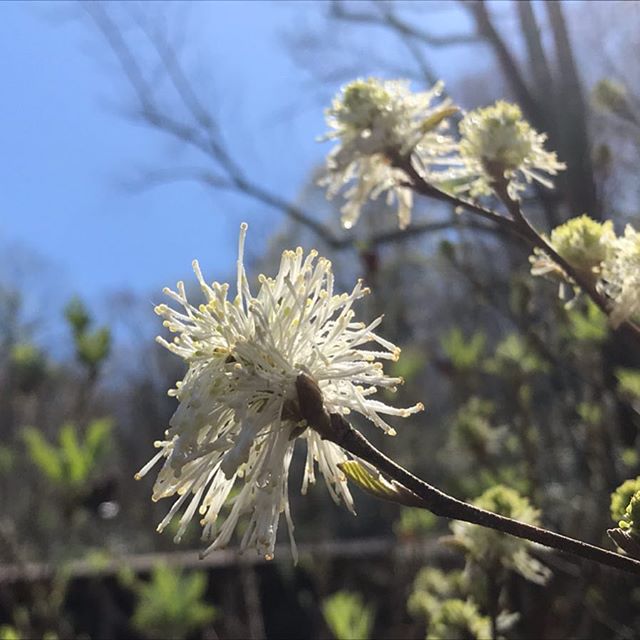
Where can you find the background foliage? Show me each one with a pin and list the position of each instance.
(521, 390)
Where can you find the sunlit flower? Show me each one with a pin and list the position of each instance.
(492, 550)
(377, 120)
(621, 277)
(497, 143)
(621, 498)
(584, 243)
(238, 419)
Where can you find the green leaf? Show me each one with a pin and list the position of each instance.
(629, 382)
(171, 603)
(43, 455)
(375, 484)
(76, 465)
(464, 354)
(409, 365)
(93, 348)
(514, 354)
(347, 616)
(97, 439)
(588, 325)
(436, 118)
(77, 316)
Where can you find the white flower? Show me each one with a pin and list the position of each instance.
(492, 550)
(584, 243)
(497, 142)
(238, 419)
(621, 277)
(374, 121)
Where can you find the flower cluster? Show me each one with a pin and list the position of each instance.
(498, 144)
(380, 122)
(630, 521)
(625, 512)
(493, 550)
(595, 252)
(621, 498)
(239, 416)
(620, 279)
(584, 243)
(376, 121)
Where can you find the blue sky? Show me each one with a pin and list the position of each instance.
(67, 148)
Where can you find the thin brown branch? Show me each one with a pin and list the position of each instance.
(200, 135)
(335, 428)
(418, 229)
(390, 19)
(516, 225)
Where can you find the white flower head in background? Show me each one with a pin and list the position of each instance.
(374, 120)
(492, 550)
(620, 279)
(583, 242)
(497, 143)
(237, 422)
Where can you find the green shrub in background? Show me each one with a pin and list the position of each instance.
(92, 347)
(347, 616)
(28, 367)
(71, 462)
(171, 604)
(464, 354)
(414, 523)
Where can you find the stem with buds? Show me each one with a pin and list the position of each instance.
(516, 225)
(335, 428)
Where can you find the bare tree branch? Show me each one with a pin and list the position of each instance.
(572, 120)
(202, 134)
(334, 427)
(387, 18)
(488, 31)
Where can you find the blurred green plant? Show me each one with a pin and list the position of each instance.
(513, 355)
(590, 412)
(472, 427)
(463, 354)
(414, 523)
(410, 365)
(28, 367)
(71, 462)
(586, 323)
(7, 459)
(491, 553)
(458, 619)
(347, 616)
(611, 96)
(8, 632)
(443, 601)
(92, 347)
(77, 316)
(171, 604)
(629, 382)
(430, 588)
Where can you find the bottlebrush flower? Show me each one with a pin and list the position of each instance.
(498, 143)
(231, 440)
(375, 121)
